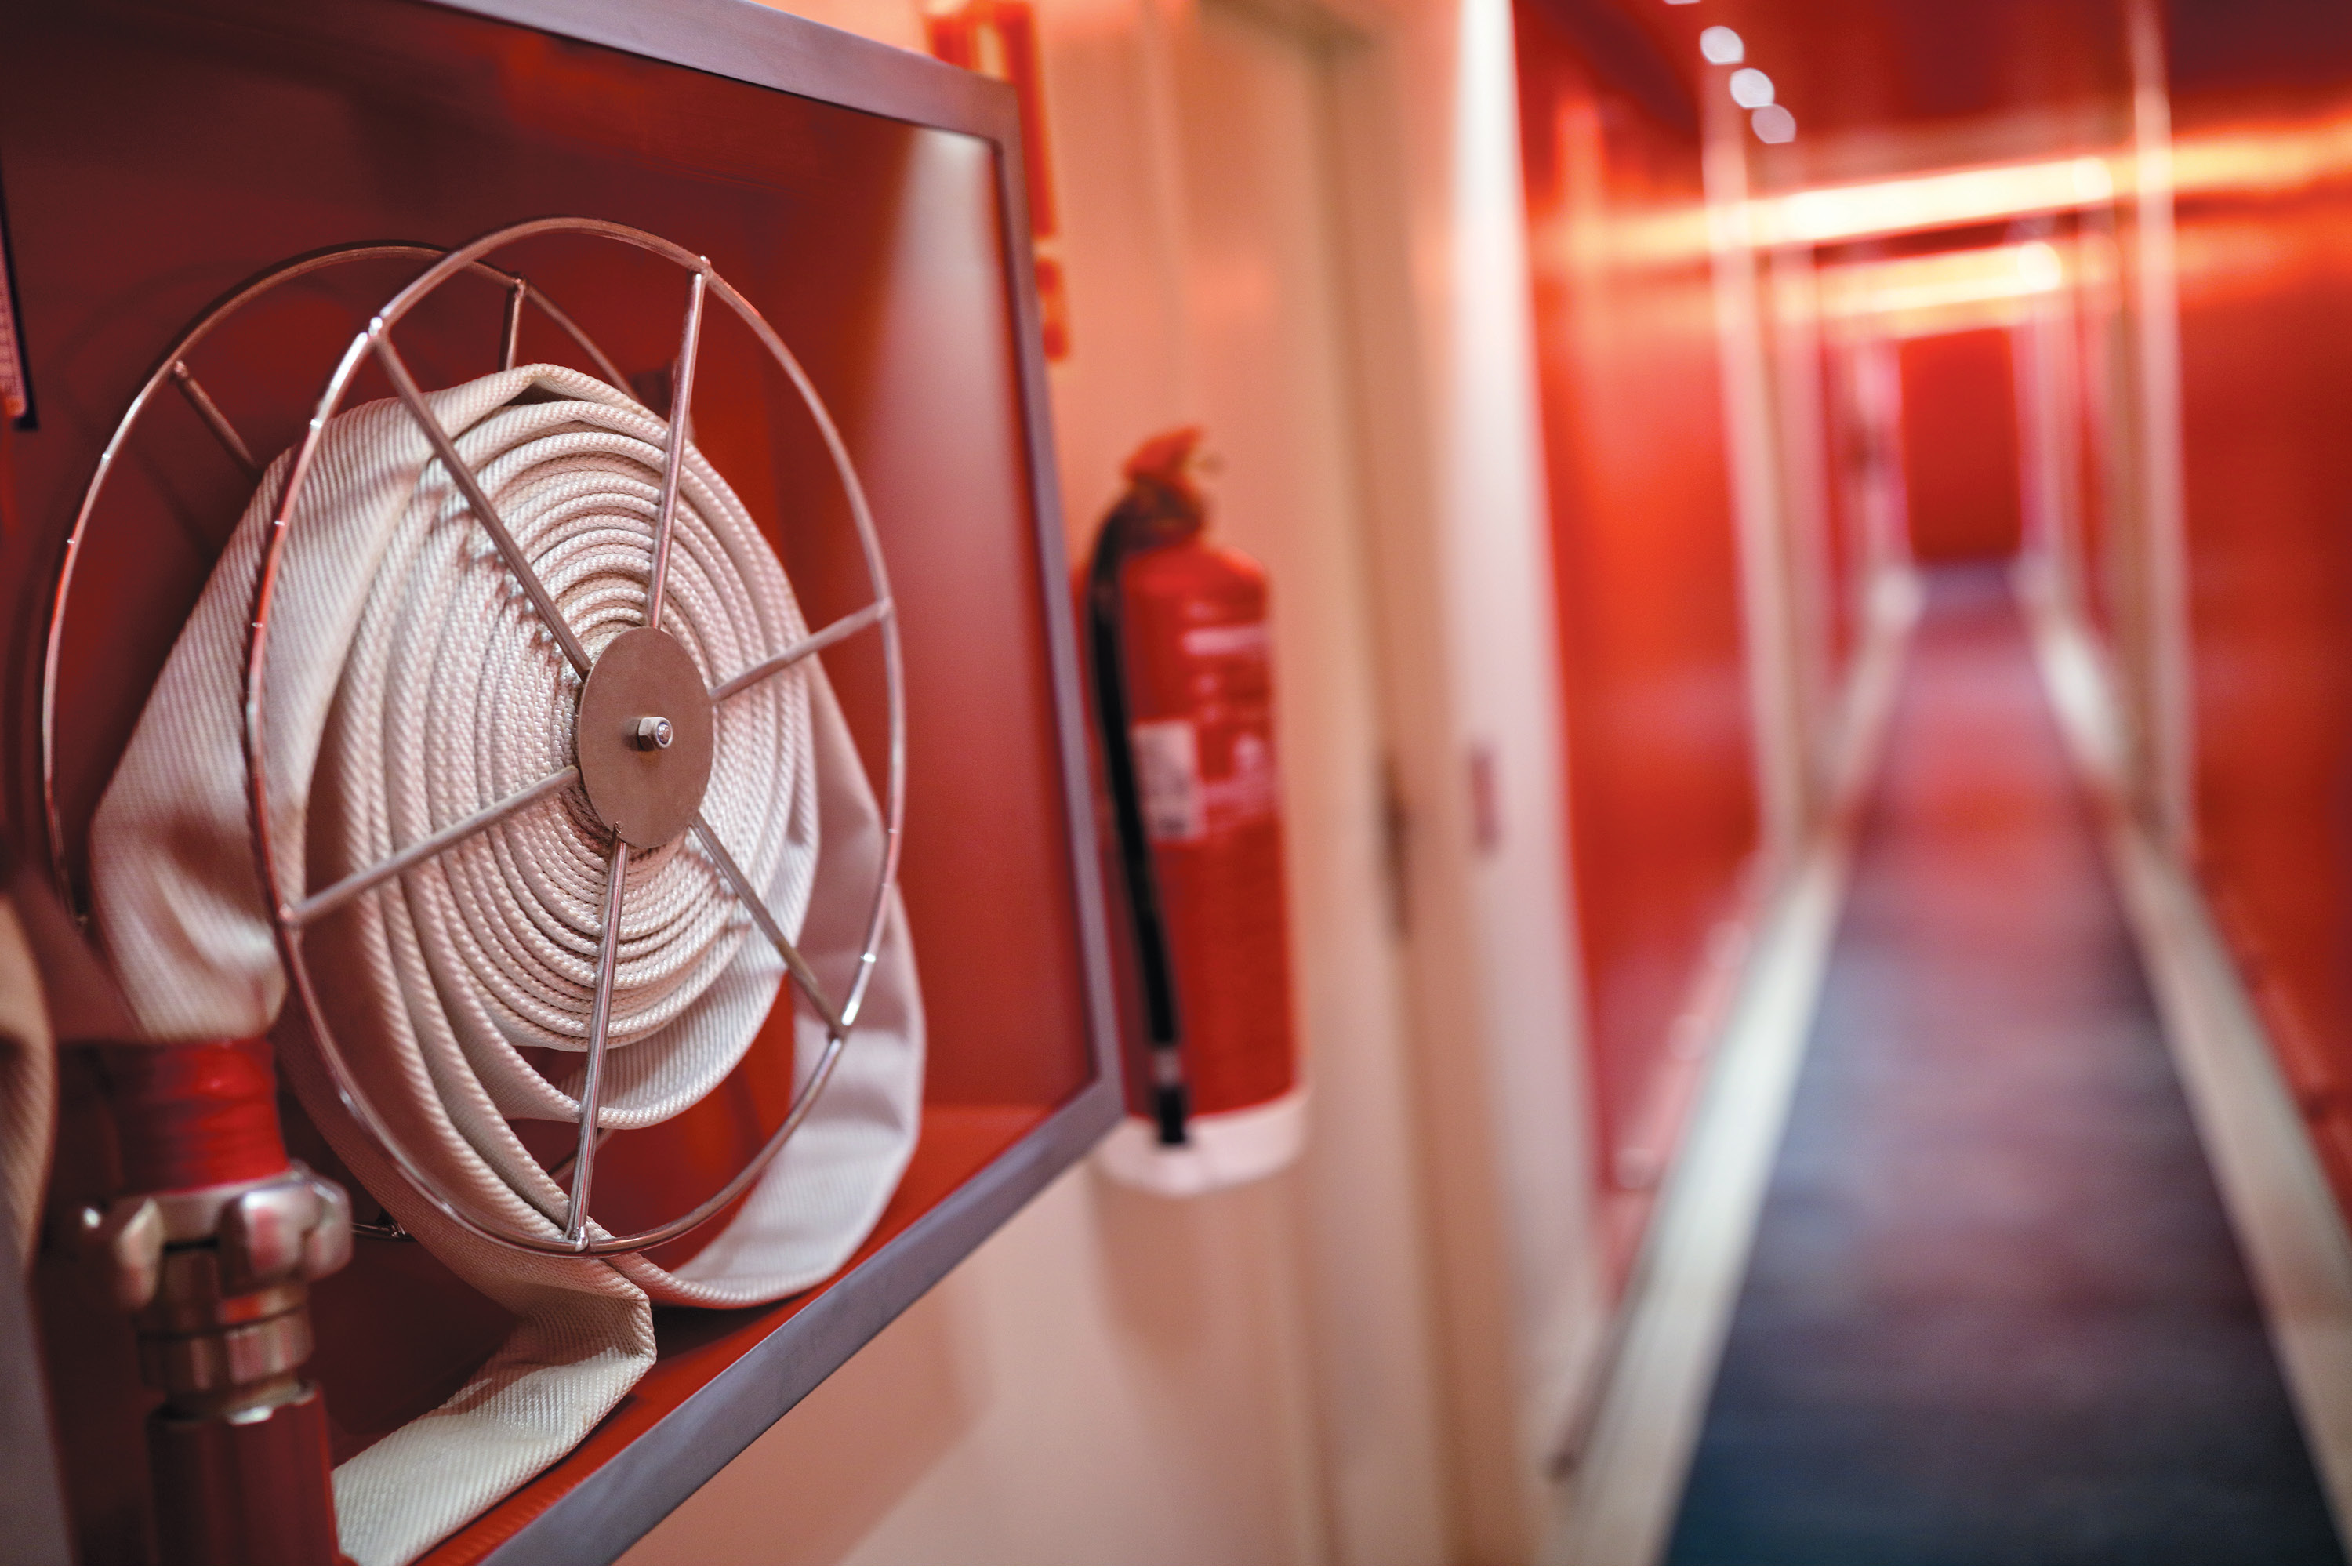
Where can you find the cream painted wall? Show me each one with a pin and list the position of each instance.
(1111, 1378)
(1471, 667)
(1373, 1356)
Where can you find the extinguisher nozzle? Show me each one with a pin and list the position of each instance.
(1170, 1107)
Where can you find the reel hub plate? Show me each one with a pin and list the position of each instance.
(645, 737)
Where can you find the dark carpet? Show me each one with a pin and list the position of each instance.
(1995, 1312)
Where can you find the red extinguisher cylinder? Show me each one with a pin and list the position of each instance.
(1181, 661)
(1200, 695)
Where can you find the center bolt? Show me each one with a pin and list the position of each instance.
(654, 734)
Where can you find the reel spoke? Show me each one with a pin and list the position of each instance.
(510, 335)
(803, 975)
(214, 420)
(681, 403)
(380, 341)
(556, 1171)
(600, 1020)
(849, 626)
(334, 896)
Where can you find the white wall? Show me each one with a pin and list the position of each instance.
(1373, 1356)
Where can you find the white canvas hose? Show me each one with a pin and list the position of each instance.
(29, 1089)
(411, 683)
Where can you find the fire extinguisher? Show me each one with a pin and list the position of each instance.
(1182, 680)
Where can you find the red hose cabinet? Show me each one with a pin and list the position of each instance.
(869, 204)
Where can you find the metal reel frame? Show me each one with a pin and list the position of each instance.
(293, 909)
(173, 369)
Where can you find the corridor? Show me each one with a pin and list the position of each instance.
(1995, 1311)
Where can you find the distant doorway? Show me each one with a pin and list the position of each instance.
(1960, 446)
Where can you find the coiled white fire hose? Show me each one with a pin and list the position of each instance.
(411, 683)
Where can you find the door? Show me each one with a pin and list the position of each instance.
(1959, 445)
(1269, 368)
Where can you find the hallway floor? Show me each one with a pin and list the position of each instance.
(1995, 1312)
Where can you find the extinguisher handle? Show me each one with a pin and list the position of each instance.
(1126, 529)
(1171, 1097)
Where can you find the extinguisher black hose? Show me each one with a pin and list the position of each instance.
(1129, 528)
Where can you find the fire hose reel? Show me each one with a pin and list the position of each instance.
(497, 744)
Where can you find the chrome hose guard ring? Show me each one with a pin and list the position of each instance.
(172, 368)
(288, 914)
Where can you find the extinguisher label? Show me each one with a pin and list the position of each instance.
(1245, 639)
(1183, 806)
(1167, 778)
(1250, 790)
